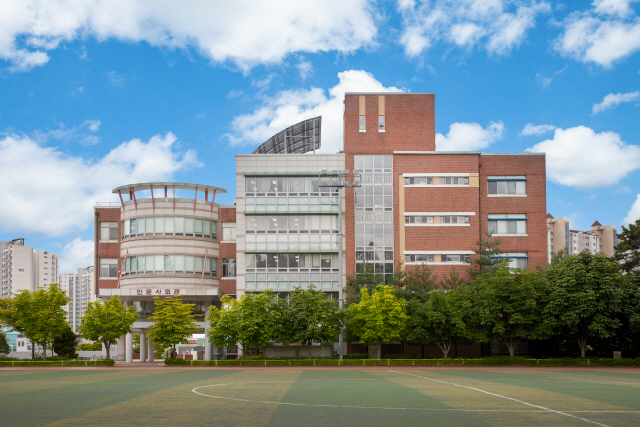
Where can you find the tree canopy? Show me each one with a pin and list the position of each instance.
(509, 304)
(173, 322)
(40, 315)
(585, 298)
(488, 259)
(628, 247)
(65, 344)
(106, 321)
(379, 317)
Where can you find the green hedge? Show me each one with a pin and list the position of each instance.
(70, 362)
(487, 361)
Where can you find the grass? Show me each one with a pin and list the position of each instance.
(328, 397)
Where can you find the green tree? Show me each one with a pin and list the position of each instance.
(106, 321)
(452, 280)
(40, 315)
(379, 317)
(488, 259)
(413, 283)
(438, 321)
(586, 297)
(65, 344)
(366, 278)
(7, 313)
(95, 346)
(224, 322)
(4, 345)
(628, 247)
(173, 322)
(258, 322)
(509, 305)
(314, 318)
(556, 257)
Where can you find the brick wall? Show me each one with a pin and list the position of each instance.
(534, 205)
(106, 250)
(410, 124)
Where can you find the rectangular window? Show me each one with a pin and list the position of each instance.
(229, 231)
(108, 231)
(506, 185)
(229, 267)
(108, 268)
(363, 123)
(507, 224)
(381, 124)
(443, 180)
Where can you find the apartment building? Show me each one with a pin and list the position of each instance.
(560, 236)
(23, 268)
(79, 287)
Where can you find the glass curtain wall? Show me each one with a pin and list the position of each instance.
(374, 214)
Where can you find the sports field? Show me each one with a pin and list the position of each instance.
(319, 397)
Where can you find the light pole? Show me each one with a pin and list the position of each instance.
(339, 179)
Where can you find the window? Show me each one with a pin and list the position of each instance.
(501, 224)
(108, 268)
(514, 259)
(363, 123)
(441, 258)
(229, 267)
(381, 124)
(506, 185)
(169, 226)
(441, 180)
(228, 231)
(108, 231)
(172, 264)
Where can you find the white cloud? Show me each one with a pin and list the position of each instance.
(580, 157)
(93, 125)
(243, 32)
(293, 106)
(613, 100)
(469, 136)
(634, 213)
(499, 25)
(613, 7)
(543, 80)
(76, 254)
(48, 192)
(305, 68)
(603, 35)
(531, 129)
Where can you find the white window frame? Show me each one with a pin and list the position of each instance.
(225, 233)
(107, 226)
(507, 178)
(437, 175)
(518, 218)
(440, 214)
(108, 263)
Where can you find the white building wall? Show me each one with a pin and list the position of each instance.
(46, 268)
(274, 164)
(18, 271)
(79, 288)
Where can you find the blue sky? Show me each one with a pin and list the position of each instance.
(94, 95)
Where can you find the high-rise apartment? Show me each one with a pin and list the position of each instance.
(79, 287)
(25, 269)
(560, 236)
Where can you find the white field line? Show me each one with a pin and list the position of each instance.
(541, 410)
(566, 414)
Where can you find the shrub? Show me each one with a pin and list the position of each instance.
(356, 356)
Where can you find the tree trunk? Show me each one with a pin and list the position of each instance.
(44, 351)
(33, 351)
(309, 347)
(297, 352)
(379, 345)
(445, 347)
(582, 342)
(511, 345)
(107, 346)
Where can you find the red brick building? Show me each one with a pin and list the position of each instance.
(442, 202)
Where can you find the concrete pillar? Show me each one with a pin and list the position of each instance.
(128, 351)
(143, 347)
(120, 349)
(150, 355)
(207, 345)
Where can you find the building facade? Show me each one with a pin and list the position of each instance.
(80, 289)
(23, 268)
(560, 236)
(163, 245)
(411, 205)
